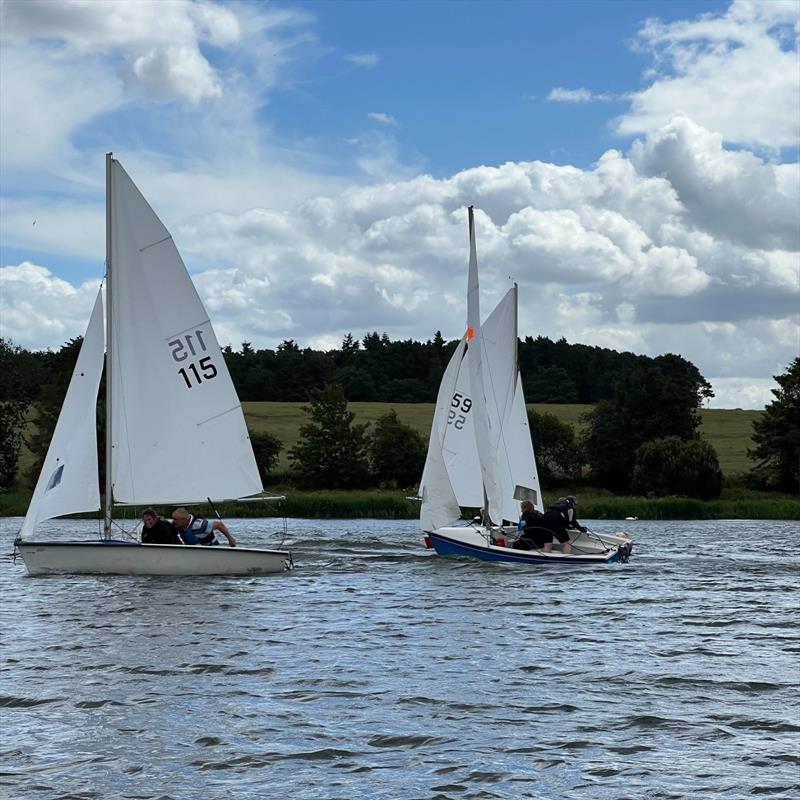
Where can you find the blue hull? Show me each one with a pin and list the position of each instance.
(449, 547)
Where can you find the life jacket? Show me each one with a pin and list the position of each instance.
(198, 531)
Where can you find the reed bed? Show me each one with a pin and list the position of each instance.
(386, 504)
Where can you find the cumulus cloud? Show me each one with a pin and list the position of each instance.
(161, 42)
(735, 73)
(40, 309)
(619, 255)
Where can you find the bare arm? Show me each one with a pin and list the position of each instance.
(220, 526)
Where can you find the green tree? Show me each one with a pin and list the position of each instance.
(397, 452)
(672, 465)
(647, 405)
(777, 435)
(331, 452)
(557, 449)
(550, 385)
(266, 449)
(12, 425)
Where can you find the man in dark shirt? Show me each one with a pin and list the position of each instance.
(157, 530)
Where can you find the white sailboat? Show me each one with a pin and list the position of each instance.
(480, 453)
(175, 431)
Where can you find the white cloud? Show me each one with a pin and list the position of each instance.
(734, 195)
(159, 41)
(41, 310)
(367, 60)
(620, 255)
(745, 393)
(382, 118)
(561, 95)
(735, 73)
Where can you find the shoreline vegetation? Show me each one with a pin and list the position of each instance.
(729, 431)
(595, 504)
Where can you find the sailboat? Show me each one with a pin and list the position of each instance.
(480, 452)
(175, 431)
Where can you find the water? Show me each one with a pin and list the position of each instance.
(378, 670)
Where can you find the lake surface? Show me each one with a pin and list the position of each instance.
(379, 670)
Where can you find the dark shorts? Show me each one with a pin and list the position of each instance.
(557, 526)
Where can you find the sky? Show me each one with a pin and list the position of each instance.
(633, 166)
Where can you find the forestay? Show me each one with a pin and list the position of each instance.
(68, 482)
(178, 432)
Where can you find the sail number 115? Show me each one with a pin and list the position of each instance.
(188, 346)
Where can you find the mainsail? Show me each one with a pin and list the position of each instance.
(178, 432)
(68, 481)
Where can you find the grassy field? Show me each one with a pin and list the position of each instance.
(728, 431)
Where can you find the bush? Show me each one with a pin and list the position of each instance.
(397, 452)
(266, 449)
(331, 452)
(675, 466)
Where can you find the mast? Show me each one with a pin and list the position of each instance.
(474, 339)
(108, 500)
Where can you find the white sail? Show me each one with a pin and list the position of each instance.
(68, 481)
(439, 502)
(522, 482)
(500, 379)
(459, 447)
(178, 432)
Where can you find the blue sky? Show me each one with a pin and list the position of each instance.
(634, 166)
(468, 82)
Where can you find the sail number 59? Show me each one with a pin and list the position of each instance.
(187, 346)
(459, 403)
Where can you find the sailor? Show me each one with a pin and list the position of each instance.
(559, 518)
(195, 530)
(156, 530)
(532, 535)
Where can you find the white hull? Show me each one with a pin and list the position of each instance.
(128, 558)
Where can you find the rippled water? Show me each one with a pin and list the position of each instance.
(379, 670)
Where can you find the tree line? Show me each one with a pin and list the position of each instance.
(641, 435)
(375, 369)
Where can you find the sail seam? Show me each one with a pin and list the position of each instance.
(148, 246)
(206, 321)
(217, 416)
